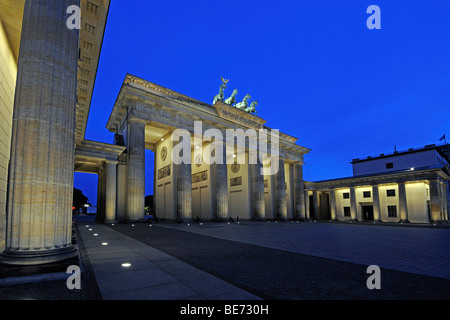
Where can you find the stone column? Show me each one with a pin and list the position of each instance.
(258, 202)
(39, 227)
(316, 205)
(281, 195)
(444, 202)
(299, 192)
(99, 193)
(136, 170)
(435, 201)
(402, 203)
(184, 191)
(111, 192)
(376, 203)
(333, 204)
(121, 207)
(353, 204)
(307, 213)
(221, 187)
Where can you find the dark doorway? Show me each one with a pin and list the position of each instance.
(367, 213)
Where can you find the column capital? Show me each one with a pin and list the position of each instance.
(133, 119)
(111, 162)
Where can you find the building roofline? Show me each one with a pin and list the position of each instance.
(403, 152)
(444, 168)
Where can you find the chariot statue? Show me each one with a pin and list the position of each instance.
(252, 108)
(232, 100)
(244, 103)
(223, 86)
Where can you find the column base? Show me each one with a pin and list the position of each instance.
(37, 257)
(404, 221)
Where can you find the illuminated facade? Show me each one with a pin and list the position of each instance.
(408, 186)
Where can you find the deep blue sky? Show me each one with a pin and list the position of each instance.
(318, 72)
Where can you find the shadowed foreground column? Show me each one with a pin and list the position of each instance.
(39, 228)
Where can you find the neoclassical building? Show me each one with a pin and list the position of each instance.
(407, 186)
(48, 70)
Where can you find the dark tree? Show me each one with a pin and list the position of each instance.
(79, 199)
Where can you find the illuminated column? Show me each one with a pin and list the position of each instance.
(40, 194)
(259, 206)
(353, 204)
(121, 206)
(435, 201)
(444, 201)
(333, 204)
(299, 192)
(307, 213)
(316, 205)
(136, 170)
(402, 203)
(376, 203)
(221, 186)
(111, 191)
(99, 193)
(184, 191)
(281, 196)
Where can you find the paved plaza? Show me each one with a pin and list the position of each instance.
(252, 261)
(422, 249)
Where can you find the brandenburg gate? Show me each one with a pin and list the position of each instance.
(149, 116)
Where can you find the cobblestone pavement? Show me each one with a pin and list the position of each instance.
(418, 250)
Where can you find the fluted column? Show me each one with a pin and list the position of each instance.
(435, 201)
(307, 205)
(281, 195)
(444, 202)
(39, 228)
(316, 205)
(221, 187)
(402, 202)
(353, 204)
(184, 191)
(99, 193)
(333, 204)
(299, 192)
(376, 203)
(258, 202)
(136, 170)
(111, 192)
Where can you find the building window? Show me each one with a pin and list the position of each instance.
(346, 195)
(390, 193)
(389, 165)
(392, 211)
(347, 212)
(366, 194)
